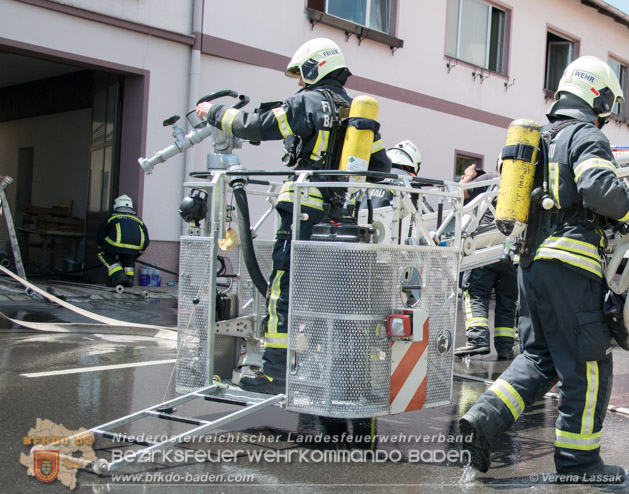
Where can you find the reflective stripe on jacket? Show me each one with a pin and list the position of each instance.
(307, 114)
(123, 233)
(582, 174)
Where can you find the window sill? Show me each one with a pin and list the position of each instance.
(452, 62)
(350, 28)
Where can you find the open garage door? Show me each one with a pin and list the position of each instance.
(103, 163)
(62, 140)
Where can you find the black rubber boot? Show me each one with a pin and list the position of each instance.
(603, 474)
(261, 383)
(505, 354)
(475, 443)
(471, 349)
(118, 278)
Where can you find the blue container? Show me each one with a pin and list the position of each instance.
(145, 276)
(156, 277)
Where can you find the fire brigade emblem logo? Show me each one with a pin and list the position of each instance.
(46, 465)
(57, 453)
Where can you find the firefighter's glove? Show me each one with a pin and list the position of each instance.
(614, 310)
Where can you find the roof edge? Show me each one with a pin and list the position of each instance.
(606, 9)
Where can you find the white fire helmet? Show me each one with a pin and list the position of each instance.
(592, 80)
(315, 59)
(405, 155)
(123, 201)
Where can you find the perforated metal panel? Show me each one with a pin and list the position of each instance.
(195, 254)
(341, 295)
(196, 262)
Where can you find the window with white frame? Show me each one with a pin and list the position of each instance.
(476, 34)
(559, 53)
(374, 14)
(621, 72)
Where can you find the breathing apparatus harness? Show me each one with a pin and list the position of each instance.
(544, 216)
(294, 156)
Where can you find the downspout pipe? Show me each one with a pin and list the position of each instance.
(193, 84)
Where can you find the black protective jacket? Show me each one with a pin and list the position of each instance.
(123, 234)
(583, 183)
(307, 114)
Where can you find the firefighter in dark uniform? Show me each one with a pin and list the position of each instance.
(304, 121)
(121, 239)
(405, 161)
(477, 285)
(564, 338)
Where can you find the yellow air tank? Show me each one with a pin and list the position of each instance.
(516, 178)
(358, 140)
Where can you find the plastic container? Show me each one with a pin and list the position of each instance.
(145, 276)
(156, 277)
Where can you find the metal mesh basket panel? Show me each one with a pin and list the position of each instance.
(341, 295)
(196, 261)
(195, 254)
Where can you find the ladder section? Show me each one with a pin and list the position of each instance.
(253, 402)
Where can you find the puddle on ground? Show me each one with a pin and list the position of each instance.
(25, 315)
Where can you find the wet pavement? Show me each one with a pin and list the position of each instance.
(87, 379)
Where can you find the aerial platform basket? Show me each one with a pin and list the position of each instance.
(342, 361)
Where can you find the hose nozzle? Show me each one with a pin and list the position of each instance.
(146, 165)
(6, 181)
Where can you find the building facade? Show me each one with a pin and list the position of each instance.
(85, 87)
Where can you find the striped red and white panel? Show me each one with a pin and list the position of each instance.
(621, 155)
(409, 366)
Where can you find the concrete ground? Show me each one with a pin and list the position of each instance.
(83, 379)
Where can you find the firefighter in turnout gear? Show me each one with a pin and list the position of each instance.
(304, 121)
(477, 285)
(121, 239)
(405, 160)
(564, 338)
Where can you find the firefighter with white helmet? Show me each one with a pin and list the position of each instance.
(564, 337)
(316, 59)
(305, 122)
(405, 155)
(405, 160)
(121, 239)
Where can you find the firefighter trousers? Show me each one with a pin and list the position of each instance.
(477, 286)
(118, 262)
(563, 339)
(275, 322)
